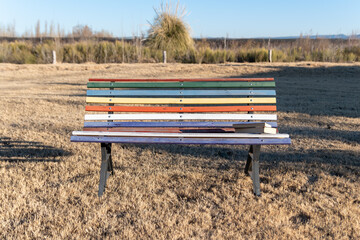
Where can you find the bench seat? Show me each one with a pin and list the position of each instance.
(179, 111)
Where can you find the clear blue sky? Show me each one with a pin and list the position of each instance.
(207, 18)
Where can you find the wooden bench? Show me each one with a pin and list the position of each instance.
(179, 111)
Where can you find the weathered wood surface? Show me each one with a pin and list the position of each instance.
(178, 135)
(210, 84)
(180, 101)
(182, 116)
(177, 93)
(264, 108)
(146, 140)
(167, 124)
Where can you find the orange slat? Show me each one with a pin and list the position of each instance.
(180, 109)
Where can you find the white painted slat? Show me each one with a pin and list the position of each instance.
(177, 135)
(176, 116)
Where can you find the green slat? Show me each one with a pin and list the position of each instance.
(179, 84)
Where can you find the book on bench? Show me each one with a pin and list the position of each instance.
(254, 128)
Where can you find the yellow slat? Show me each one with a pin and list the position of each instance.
(179, 100)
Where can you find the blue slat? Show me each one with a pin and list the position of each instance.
(150, 140)
(123, 93)
(167, 124)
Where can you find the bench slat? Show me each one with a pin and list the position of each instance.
(229, 141)
(168, 124)
(143, 93)
(179, 79)
(174, 116)
(180, 84)
(267, 108)
(177, 135)
(180, 100)
(167, 130)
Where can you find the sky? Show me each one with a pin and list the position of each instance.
(206, 18)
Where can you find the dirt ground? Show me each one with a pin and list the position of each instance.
(48, 185)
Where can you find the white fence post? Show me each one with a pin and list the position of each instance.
(54, 57)
(270, 55)
(164, 56)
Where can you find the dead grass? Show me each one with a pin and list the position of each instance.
(48, 186)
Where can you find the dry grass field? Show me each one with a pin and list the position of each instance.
(48, 185)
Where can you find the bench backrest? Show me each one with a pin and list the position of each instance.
(178, 105)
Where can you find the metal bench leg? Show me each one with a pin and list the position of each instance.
(252, 167)
(106, 166)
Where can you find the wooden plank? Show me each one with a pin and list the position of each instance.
(178, 93)
(179, 79)
(267, 108)
(167, 124)
(180, 84)
(185, 116)
(252, 125)
(177, 135)
(226, 141)
(166, 130)
(180, 100)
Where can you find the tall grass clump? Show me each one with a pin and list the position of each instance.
(17, 52)
(43, 52)
(169, 32)
(251, 55)
(202, 52)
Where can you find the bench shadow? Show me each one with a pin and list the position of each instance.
(228, 157)
(66, 83)
(231, 154)
(82, 94)
(63, 95)
(305, 88)
(348, 137)
(29, 151)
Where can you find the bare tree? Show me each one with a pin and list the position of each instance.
(82, 31)
(59, 31)
(28, 33)
(103, 33)
(37, 29)
(51, 30)
(45, 33)
(8, 31)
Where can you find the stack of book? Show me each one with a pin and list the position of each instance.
(254, 128)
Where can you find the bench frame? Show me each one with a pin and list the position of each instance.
(251, 167)
(107, 168)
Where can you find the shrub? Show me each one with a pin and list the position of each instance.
(81, 52)
(68, 53)
(278, 56)
(18, 52)
(169, 32)
(352, 53)
(42, 53)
